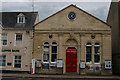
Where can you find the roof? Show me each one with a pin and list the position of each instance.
(9, 20)
(77, 8)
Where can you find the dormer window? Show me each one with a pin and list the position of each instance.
(21, 18)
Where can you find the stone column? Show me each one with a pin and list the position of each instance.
(60, 47)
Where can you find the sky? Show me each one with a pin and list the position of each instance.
(45, 8)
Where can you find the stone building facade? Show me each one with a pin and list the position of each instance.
(16, 40)
(72, 41)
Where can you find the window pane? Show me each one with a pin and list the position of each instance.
(54, 49)
(4, 42)
(46, 48)
(54, 57)
(46, 57)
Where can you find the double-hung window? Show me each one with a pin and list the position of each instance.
(88, 52)
(4, 39)
(17, 61)
(18, 39)
(97, 53)
(54, 52)
(46, 52)
(2, 60)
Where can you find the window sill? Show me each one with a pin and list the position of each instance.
(2, 66)
(17, 68)
(88, 62)
(96, 63)
(45, 62)
(54, 62)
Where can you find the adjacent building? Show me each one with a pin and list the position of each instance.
(16, 40)
(72, 41)
(114, 21)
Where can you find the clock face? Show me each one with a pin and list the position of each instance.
(71, 15)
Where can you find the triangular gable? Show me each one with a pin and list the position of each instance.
(83, 21)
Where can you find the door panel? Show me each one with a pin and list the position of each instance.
(71, 60)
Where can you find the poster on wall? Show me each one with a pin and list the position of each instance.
(59, 63)
(33, 66)
(107, 64)
(38, 64)
(82, 64)
(45, 66)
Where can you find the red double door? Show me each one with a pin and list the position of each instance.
(71, 59)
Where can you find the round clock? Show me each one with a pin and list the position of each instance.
(71, 15)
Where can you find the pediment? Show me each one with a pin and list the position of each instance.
(82, 21)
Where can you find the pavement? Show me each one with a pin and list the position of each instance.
(66, 76)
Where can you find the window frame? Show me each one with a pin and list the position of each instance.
(5, 61)
(54, 45)
(14, 62)
(21, 16)
(21, 40)
(1, 40)
(88, 45)
(95, 53)
(44, 45)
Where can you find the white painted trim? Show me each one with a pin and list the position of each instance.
(14, 61)
(1, 39)
(15, 39)
(21, 16)
(5, 63)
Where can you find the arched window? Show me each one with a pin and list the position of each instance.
(46, 52)
(97, 53)
(54, 52)
(88, 52)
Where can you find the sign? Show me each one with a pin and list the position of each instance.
(38, 64)
(107, 64)
(82, 64)
(59, 63)
(52, 64)
(10, 50)
(33, 66)
(45, 66)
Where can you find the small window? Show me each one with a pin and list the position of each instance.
(97, 53)
(88, 52)
(54, 52)
(17, 61)
(2, 60)
(18, 39)
(21, 18)
(46, 52)
(4, 39)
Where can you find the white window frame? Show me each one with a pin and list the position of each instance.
(48, 52)
(21, 40)
(14, 61)
(5, 61)
(94, 54)
(1, 40)
(53, 53)
(21, 16)
(86, 53)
